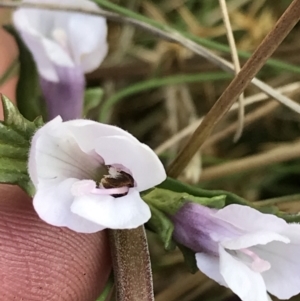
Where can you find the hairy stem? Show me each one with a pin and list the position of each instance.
(131, 264)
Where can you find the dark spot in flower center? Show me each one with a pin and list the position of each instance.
(121, 179)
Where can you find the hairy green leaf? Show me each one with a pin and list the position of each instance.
(162, 225)
(15, 135)
(170, 202)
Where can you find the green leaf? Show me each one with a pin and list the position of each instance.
(175, 185)
(15, 135)
(162, 225)
(28, 88)
(92, 99)
(170, 202)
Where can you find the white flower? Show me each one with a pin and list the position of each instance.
(62, 39)
(88, 176)
(243, 249)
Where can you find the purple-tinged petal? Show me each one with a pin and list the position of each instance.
(138, 158)
(252, 239)
(249, 219)
(241, 279)
(197, 228)
(126, 212)
(65, 97)
(52, 204)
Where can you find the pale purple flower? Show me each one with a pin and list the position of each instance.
(64, 45)
(88, 176)
(241, 248)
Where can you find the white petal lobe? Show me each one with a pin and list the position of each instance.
(53, 206)
(142, 162)
(244, 282)
(125, 212)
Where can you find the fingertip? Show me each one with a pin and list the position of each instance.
(42, 262)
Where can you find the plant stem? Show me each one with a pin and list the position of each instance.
(279, 200)
(131, 265)
(284, 25)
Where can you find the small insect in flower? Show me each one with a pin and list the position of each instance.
(117, 179)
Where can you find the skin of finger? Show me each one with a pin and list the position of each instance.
(8, 53)
(42, 262)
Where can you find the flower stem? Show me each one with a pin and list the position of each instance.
(131, 264)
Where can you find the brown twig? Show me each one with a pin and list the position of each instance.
(284, 25)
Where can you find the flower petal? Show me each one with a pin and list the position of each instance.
(32, 164)
(86, 132)
(210, 266)
(197, 228)
(249, 219)
(244, 282)
(53, 206)
(283, 279)
(34, 42)
(251, 239)
(64, 98)
(139, 159)
(84, 37)
(57, 55)
(88, 40)
(55, 156)
(36, 28)
(125, 212)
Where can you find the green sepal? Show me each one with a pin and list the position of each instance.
(163, 227)
(189, 258)
(170, 202)
(15, 136)
(177, 186)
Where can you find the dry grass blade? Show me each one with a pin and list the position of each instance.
(192, 127)
(280, 154)
(251, 117)
(284, 25)
(237, 66)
